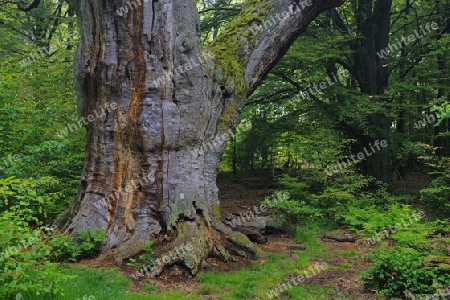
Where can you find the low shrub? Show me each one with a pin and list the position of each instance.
(26, 270)
(29, 199)
(396, 272)
(84, 244)
(436, 196)
(145, 259)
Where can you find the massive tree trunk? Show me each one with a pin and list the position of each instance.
(158, 109)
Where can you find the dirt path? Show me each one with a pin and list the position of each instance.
(346, 260)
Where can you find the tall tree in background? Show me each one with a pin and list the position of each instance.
(372, 26)
(142, 175)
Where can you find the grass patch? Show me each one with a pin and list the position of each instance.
(260, 278)
(102, 284)
(349, 253)
(342, 267)
(302, 292)
(248, 283)
(173, 295)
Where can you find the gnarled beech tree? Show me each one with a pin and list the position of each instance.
(143, 176)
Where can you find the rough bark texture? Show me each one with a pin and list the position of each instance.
(151, 164)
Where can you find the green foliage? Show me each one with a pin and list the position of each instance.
(50, 159)
(317, 196)
(398, 222)
(441, 227)
(414, 234)
(29, 199)
(63, 248)
(443, 111)
(89, 242)
(436, 196)
(373, 219)
(84, 244)
(291, 211)
(342, 191)
(24, 261)
(296, 190)
(145, 259)
(394, 272)
(37, 100)
(215, 15)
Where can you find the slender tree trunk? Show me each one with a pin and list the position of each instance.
(440, 139)
(234, 160)
(151, 162)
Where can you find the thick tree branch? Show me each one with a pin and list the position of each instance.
(263, 32)
(276, 38)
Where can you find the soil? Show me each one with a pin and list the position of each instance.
(345, 282)
(237, 195)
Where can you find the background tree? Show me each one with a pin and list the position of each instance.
(335, 42)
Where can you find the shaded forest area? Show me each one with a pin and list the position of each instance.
(344, 148)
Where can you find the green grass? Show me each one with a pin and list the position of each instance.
(343, 267)
(308, 293)
(256, 281)
(102, 284)
(166, 296)
(89, 283)
(248, 283)
(348, 253)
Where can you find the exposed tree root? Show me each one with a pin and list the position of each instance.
(338, 238)
(252, 234)
(193, 243)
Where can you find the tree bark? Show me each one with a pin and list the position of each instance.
(372, 75)
(151, 163)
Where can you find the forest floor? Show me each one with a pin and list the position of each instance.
(344, 259)
(239, 279)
